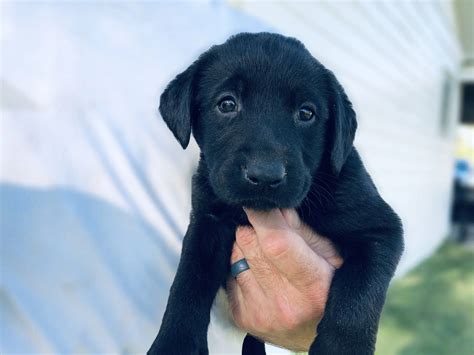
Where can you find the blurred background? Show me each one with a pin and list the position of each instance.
(95, 192)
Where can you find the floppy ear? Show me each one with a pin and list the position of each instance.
(343, 125)
(176, 105)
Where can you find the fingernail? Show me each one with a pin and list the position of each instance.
(247, 210)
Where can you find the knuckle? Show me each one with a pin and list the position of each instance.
(245, 237)
(276, 244)
(243, 279)
(259, 264)
(290, 321)
(260, 322)
(288, 318)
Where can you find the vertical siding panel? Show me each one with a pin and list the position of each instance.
(391, 56)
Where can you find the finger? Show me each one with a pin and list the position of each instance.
(236, 252)
(263, 271)
(249, 287)
(292, 218)
(246, 296)
(321, 246)
(241, 309)
(266, 221)
(286, 249)
(233, 290)
(236, 299)
(318, 244)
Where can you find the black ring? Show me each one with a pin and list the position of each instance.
(238, 267)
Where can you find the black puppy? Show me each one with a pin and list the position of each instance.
(275, 130)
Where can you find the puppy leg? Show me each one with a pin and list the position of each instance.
(203, 268)
(356, 298)
(253, 346)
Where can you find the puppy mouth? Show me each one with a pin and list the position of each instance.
(261, 204)
(268, 202)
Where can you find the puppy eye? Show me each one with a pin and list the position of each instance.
(227, 104)
(305, 114)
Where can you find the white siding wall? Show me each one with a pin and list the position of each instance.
(392, 58)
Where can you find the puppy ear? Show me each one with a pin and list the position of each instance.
(176, 105)
(343, 125)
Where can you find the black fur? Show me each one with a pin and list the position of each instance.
(271, 77)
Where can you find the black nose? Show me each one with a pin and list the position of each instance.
(265, 173)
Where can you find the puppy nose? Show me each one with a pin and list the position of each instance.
(265, 174)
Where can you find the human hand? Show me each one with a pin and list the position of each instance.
(281, 299)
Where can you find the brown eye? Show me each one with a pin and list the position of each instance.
(227, 104)
(305, 114)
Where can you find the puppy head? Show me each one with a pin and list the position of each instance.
(266, 116)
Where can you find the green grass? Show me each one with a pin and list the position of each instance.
(431, 310)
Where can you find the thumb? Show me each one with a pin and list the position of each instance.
(318, 244)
